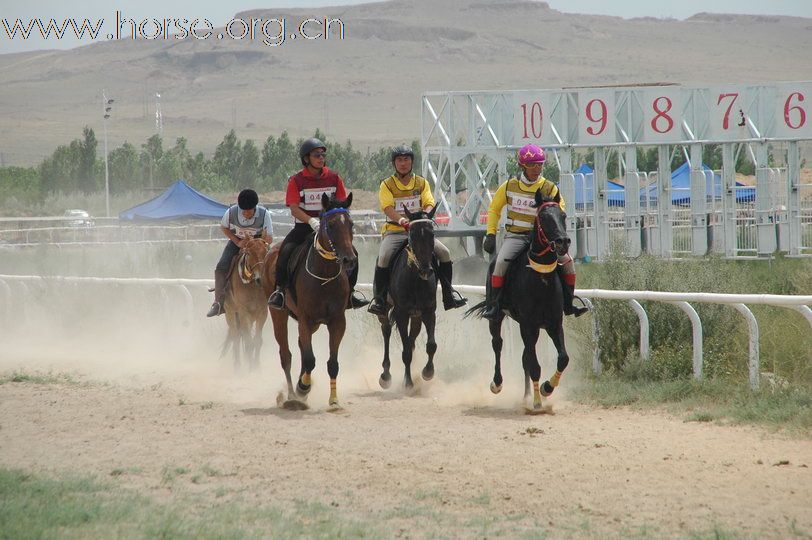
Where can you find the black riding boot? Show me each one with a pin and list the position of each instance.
(355, 301)
(277, 298)
(451, 298)
(493, 303)
(380, 289)
(569, 296)
(218, 307)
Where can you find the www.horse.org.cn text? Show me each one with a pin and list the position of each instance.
(272, 32)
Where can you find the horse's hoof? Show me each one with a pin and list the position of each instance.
(335, 407)
(385, 381)
(496, 388)
(542, 408)
(302, 390)
(427, 374)
(546, 389)
(280, 400)
(295, 405)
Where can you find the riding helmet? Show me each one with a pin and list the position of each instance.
(402, 150)
(308, 146)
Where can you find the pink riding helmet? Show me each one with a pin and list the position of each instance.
(530, 153)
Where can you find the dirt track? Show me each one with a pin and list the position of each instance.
(451, 460)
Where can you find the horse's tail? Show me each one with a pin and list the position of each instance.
(476, 310)
(226, 345)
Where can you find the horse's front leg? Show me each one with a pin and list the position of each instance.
(336, 328)
(557, 335)
(280, 332)
(306, 330)
(530, 363)
(237, 340)
(386, 330)
(429, 320)
(402, 321)
(495, 328)
(259, 324)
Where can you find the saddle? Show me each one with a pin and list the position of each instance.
(514, 265)
(297, 258)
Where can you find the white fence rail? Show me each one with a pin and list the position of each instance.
(739, 302)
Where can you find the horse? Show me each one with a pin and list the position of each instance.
(413, 294)
(318, 295)
(533, 297)
(246, 303)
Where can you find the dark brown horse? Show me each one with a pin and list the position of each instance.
(320, 289)
(246, 303)
(533, 297)
(413, 296)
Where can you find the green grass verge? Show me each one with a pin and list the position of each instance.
(83, 507)
(37, 378)
(781, 409)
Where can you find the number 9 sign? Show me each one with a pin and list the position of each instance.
(596, 116)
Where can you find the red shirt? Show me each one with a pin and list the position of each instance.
(305, 190)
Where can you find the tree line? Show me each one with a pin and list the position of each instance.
(78, 167)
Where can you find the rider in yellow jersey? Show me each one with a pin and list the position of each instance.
(518, 194)
(404, 188)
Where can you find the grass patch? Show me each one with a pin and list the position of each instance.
(37, 378)
(83, 507)
(784, 409)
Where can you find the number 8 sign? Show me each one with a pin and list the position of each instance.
(662, 114)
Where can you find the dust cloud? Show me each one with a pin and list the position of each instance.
(153, 336)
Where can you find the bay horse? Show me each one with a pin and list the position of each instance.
(413, 294)
(246, 303)
(533, 297)
(318, 294)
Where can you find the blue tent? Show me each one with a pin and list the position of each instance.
(179, 201)
(585, 188)
(681, 187)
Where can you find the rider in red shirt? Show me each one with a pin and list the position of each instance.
(303, 197)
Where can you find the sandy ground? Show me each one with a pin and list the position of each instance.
(448, 460)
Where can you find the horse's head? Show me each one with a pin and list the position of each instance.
(421, 239)
(336, 227)
(550, 233)
(255, 250)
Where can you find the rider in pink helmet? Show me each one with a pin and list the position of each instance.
(517, 194)
(530, 153)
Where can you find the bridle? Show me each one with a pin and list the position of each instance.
(325, 253)
(544, 243)
(411, 257)
(248, 270)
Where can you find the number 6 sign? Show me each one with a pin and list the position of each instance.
(793, 110)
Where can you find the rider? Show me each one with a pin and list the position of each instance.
(303, 197)
(246, 219)
(406, 188)
(518, 194)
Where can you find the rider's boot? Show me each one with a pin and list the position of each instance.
(355, 301)
(494, 298)
(218, 307)
(569, 295)
(380, 288)
(451, 298)
(277, 298)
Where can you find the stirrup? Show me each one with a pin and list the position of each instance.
(454, 300)
(576, 311)
(378, 307)
(215, 310)
(356, 302)
(277, 299)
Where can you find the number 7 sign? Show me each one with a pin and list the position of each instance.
(728, 113)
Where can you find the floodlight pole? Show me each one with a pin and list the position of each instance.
(106, 108)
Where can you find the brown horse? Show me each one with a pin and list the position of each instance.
(318, 294)
(246, 303)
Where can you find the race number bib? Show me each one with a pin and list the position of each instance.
(312, 197)
(412, 204)
(245, 232)
(523, 205)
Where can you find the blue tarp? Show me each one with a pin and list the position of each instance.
(681, 187)
(179, 201)
(585, 188)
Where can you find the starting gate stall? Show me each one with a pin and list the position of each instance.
(468, 139)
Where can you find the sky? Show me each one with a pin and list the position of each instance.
(219, 12)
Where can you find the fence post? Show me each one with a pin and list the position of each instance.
(752, 326)
(644, 327)
(696, 330)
